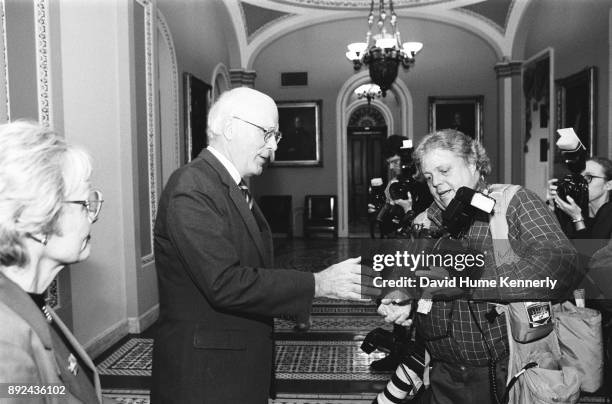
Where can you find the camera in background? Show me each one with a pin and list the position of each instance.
(574, 185)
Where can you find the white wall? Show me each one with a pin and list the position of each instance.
(97, 115)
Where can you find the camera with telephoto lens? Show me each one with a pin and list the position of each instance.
(408, 377)
(410, 352)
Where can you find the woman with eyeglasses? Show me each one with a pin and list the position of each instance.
(47, 208)
(598, 224)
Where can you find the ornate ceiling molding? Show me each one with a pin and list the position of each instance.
(463, 14)
(353, 4)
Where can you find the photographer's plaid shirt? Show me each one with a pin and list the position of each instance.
(449, 329)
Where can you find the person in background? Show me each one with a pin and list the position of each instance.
(598, 224)
(592, 235)
(396, 157)
(47, 208)
(392, 153)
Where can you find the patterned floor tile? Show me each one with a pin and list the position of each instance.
(324, 360)
(133, 358)
(352, 324)
(142, 397)
(127, 396)
(295, 360)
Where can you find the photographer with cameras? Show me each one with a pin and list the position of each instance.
(465, 335)
(597, 224)
(404, 199)
(405, 196)
(589, 226)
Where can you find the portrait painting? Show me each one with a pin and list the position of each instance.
(460, 113)
(300, 124)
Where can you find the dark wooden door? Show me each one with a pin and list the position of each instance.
(365, 161)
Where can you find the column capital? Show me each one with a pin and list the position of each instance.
(242, 78)
(508, 68)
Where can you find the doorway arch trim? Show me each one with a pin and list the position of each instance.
(343, 109)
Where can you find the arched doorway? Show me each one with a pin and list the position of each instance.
(346, 102)
(366, 132)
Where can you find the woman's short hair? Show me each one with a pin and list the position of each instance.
(606, 164)
(38, 171)
(462, 145)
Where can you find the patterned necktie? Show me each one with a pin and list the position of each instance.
(247, 195)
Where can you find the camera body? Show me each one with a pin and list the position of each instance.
(465, 207)
(392, 218)
(376, 195)
(412, 353)
(574, 185)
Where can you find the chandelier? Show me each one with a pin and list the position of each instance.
(383, 52)
(368, 91)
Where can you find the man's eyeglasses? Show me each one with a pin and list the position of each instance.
(589, 177)
(268, 133)
(93, 204)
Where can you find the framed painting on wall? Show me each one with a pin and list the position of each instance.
(576, 105)
(462, 113)
(300, 124)
(197, 95)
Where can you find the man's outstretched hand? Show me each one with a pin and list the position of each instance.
(348, 280)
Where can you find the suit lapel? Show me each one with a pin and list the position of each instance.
(19, 301)
(237, 198)
(76, 347)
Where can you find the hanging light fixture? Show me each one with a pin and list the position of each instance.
(383, 52)
(369, 91)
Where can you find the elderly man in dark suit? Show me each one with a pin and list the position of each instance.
(213, 251)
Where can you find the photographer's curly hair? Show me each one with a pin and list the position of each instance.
(38, 171)
(460, 144)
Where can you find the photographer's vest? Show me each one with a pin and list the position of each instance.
(526, 321)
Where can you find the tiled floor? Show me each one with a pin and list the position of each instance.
(322, 366)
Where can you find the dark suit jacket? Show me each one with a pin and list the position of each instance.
(218, 295)
(33, 352)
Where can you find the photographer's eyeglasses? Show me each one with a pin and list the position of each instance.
(93, 204)
(394, 162)
(267, 133)
(589, 177)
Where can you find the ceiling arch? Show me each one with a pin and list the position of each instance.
(258, 23)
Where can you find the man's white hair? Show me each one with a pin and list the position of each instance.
(233, 103)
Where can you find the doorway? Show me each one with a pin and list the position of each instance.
(538, 121)
(366, 133)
